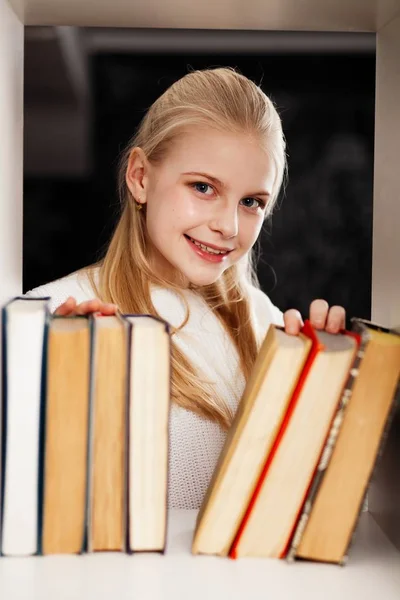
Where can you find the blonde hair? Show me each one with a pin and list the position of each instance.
(226, 100)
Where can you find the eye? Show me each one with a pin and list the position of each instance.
(202, 187)
(253, 203)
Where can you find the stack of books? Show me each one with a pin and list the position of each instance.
(297, 462)
(84, 431)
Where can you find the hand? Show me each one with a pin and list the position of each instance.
(321, 317)
(70, 308)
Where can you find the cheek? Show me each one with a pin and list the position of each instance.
(157, 222)
(250, 228)
(187, 208)
(180, 210)
(169, 212)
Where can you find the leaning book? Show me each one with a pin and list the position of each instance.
(333, 505)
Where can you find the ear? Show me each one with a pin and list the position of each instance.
(137, 174)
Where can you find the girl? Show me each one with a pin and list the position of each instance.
(196, 183)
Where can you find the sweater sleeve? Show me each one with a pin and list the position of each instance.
(75, 285)
(265, 313)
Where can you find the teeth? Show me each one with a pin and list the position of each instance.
(207, 248)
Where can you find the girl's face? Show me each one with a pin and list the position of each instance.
(206, 202)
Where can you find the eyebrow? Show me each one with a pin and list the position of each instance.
(221, 184)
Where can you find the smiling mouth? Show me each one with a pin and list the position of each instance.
(209, 249)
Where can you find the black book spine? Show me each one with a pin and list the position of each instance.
(42, 431)
(3, 414)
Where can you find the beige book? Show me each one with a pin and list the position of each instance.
(330, 526)
(256, 424)
(108, 464)
(66, 435)
(149, 396)
(272, 518)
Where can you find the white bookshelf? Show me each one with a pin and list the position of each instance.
(374, 567)
(373, 571)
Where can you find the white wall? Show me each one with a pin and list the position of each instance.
(11, 172)
(386, 220)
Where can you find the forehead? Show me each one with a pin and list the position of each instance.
(234, 158)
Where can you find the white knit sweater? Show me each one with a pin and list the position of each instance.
(195, 442)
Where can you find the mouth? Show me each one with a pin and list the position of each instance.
(210, 248)
(209, 253)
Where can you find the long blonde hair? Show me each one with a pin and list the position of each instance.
(224, 99)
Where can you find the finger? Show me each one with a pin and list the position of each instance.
(96, 305)
(89, 306)
(108, 308)
(336, 319)
(66, 308)
(318, 313)
(293, 321)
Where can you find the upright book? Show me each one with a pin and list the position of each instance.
(24, 335)
(66, 436)
(149, 368)
(108, 434)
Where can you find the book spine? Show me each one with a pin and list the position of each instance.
(128, 419)
(126, 436)
(125, 493)
(42, 430)
(168, 333)
(89, 367)
(327, 450)
(87, 535)
(3, 413)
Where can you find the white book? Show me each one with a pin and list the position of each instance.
(24, 336)
(149, 409)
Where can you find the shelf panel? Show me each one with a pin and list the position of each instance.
(311, 15)
(373, 571)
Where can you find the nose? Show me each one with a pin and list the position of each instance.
(226, 222)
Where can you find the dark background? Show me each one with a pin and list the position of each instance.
(319, 241)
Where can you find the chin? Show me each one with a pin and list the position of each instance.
(203, 279)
